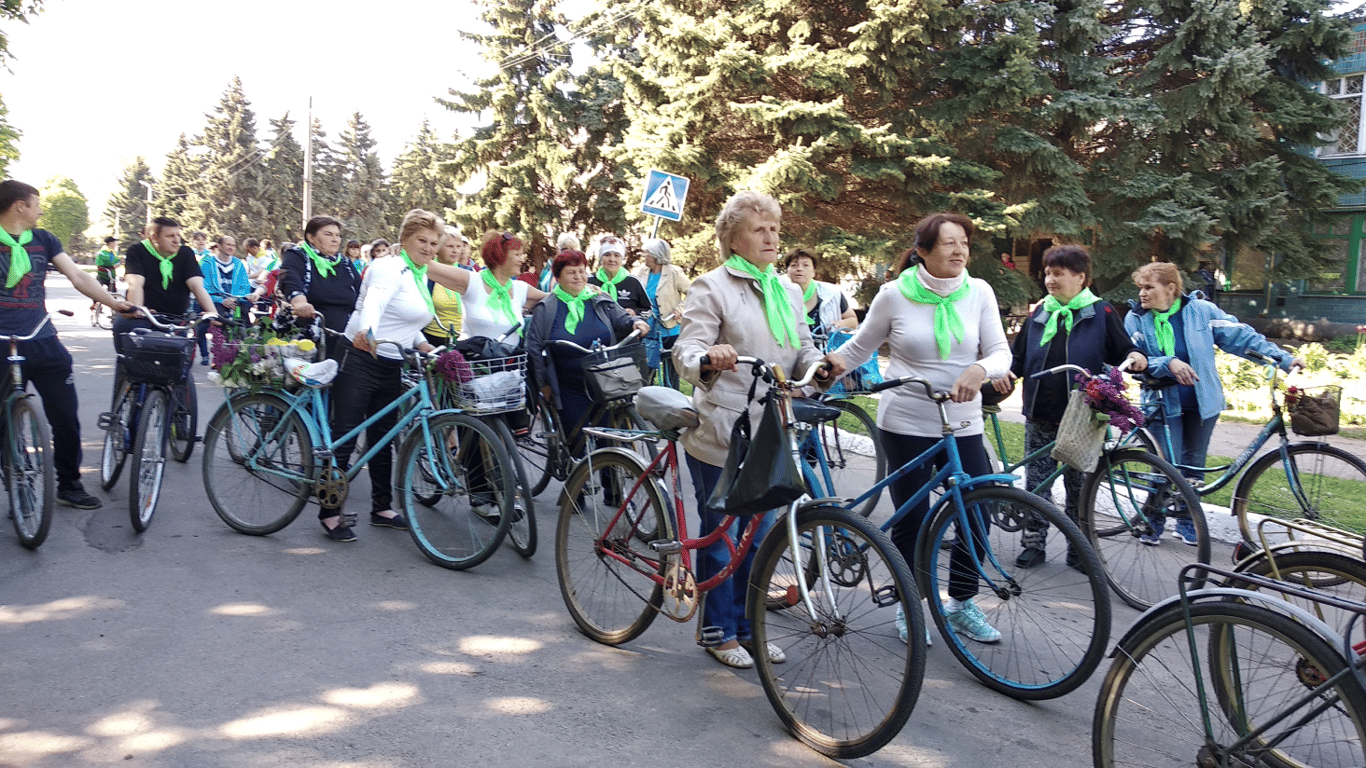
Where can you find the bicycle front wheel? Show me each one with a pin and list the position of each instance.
(1320, 482)
(459, 465)
(258, 461)
(540, 446)
(1260, 665)
(522, 528)
(854, 454)
(184, 419)
(29, 471)
(849, 682)
(149, 459)
(1053, 619)
(611, 581)
(1127, 504)
(1327, 573)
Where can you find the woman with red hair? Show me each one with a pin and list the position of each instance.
(495, 299)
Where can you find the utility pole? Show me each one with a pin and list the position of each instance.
(308, 168)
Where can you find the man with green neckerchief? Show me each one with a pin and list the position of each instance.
(1071, 326)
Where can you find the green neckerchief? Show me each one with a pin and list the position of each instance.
(419, 277)
(167, 269)
(947, 323)
(325, 266)
(806, 296)
(500, 298)
(1054, 308)
(575, 305)
(1162, 326)
(777, 305)
(19, 263)
(609, 284)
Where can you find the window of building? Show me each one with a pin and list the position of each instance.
(1344, 270)
(1347, 140)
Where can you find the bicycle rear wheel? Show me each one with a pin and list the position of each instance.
(849, 682)
(605, 566)
(1259, 663)
(1132, 495)
(149, 459)
(1054, 618)
(257, 464)
(458, 464)
(854, 453)
(1329, 487)
(29, 472)
(118, 436)
(184, 419)
(522, 528)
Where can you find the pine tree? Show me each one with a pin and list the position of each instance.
(228, 201)
(282, 184)
(362, 202)
(181, 185)
(328, 175)
(423, 177)
(126, 210)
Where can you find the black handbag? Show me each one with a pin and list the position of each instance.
(755, 481)
(484, 348)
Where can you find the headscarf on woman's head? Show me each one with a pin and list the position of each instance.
(657, 249)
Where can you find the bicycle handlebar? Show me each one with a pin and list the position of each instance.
(762, 368)
(564, 342)
(171, 327)
(47, 318)
(1064, 368)
(938, 397)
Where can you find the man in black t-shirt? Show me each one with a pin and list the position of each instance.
(26, 255)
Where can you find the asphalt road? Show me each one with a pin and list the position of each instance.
(192, 645)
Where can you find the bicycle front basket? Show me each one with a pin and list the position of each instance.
(614, 374)
(157, 358)
(1315, 412)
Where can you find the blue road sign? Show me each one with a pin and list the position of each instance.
(664, 196)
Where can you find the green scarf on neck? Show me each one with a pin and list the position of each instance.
(419, 277)
(1054, 308)
(948, 326)
(777, 305)
(19, 263)
(500, 297)
(609, 284)
(575, 305)
(806, 296)
(1162, 326)
(167, 268)
(324, 266)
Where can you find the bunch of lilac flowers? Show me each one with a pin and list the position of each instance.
(1105, 395)
(453, 367)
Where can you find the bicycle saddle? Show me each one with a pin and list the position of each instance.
(808, 411)
(666, 408)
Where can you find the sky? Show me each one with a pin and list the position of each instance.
(96, 83)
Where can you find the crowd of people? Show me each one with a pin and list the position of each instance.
(427, 291)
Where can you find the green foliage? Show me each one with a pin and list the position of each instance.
(423, 177)
(1246, 388)
(362, 202)
(282, 188)
(66, 212)
(180, 184)
(126, 209)
(225, 199)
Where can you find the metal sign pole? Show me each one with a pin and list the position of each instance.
(654, 231)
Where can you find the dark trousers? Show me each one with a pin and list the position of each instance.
(365, 385)
(963, 579)
(1037, 435)
(48, 366)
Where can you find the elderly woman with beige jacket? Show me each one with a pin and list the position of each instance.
(666, 286)
(739, 308)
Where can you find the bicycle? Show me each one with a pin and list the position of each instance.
(664, 374)
(1275, 688)
(1308, 479)
(101, 316)
(29, 475)
(155, 410)
(269, 450)
(824, 586)
(1054, 619)
(1120, 504)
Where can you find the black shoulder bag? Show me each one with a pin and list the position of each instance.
(753, 482)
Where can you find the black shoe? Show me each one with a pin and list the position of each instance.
(75, 496)
(340, 533)
(398, 521)
(1073, 561)
(1031, 557)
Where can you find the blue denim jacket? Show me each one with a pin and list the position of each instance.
(1206, 326)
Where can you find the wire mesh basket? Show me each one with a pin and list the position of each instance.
(157, 358)
(498, 385)
(1314, 412)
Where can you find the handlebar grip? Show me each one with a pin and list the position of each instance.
(705, 360)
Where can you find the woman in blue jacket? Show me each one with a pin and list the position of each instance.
(1178, 333)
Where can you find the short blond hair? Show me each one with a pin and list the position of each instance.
(1159, 271)
(417, 220)
(735, 209)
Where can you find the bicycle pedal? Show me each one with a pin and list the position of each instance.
(667, 547)
(710, 637)
(105, 421)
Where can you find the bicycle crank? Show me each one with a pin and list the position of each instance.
(680, 593)
(331, 488)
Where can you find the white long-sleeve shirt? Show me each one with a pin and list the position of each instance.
(390, 305)
(908, 328)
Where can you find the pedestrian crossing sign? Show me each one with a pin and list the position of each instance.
(664, 195)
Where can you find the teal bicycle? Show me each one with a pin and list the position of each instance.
(27, 468)
(269, 450)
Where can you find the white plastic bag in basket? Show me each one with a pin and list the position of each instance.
(496, 387)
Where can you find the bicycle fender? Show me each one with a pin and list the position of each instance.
(981, 480)
(1212, 594)
(827, 501)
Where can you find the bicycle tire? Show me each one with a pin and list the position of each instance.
(1326, 572)
(1065, 610)
(852, 470)
(849, 683)
(450, 532)
(1322, 469)
(1148, 711)
(522, 528)
(256, 468)
(149, 459)
(30, 473)
(1130, 491)
(540, 446)
(610, 601)
(184, 419)
(118, 436)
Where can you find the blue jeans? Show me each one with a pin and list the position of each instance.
(1190, 436)
(723, 606)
